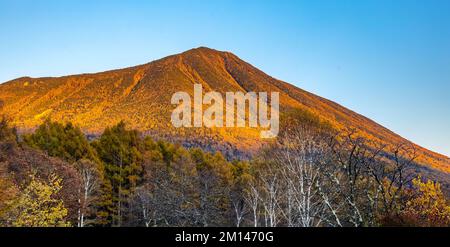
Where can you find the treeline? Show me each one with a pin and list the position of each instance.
(307, 177)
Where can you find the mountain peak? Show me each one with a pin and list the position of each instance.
(205, 51)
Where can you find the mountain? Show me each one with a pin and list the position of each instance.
(141, 97)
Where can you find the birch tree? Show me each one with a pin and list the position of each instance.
(299, 159)
(90, 176)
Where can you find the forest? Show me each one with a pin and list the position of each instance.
(307, 177)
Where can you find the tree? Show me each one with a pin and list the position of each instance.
(6, 132)
(240, 180)
(392, 179)
(289, 185)
(58, 140)
(8, 192)
(311, 178)
(90, 175)
(427, 205)
(214, 182)
(252, 199)
(8, 136)
(300, 158)
(38, 205)
(168, 195)
(121, 152)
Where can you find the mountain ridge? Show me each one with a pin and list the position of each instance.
(140, 95)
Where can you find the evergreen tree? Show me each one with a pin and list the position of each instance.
(58, 140)
(121, 151)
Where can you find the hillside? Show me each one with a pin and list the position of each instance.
(141, 96)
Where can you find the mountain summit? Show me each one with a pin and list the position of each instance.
(141, 97)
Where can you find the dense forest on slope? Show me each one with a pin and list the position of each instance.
(141, 96)
(307, 177)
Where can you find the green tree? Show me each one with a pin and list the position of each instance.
(121, 151)
(214, 182)
(59, 140)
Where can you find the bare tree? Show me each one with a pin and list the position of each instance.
(299, 157)
(270, 199)
(252, 199)
(369, 177)
(392, 175)
(240, 208)
(144, 200)
(89, 175)
(351, 158)
(167, 196)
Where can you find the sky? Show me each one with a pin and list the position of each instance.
(388, 60)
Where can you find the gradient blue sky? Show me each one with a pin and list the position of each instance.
(386, 59)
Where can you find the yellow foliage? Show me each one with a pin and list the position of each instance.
(37, 206)
(429, 205)
(43, 114)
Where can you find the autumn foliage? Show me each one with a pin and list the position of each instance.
(308, 177)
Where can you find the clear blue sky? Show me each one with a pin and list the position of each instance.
(386, 59)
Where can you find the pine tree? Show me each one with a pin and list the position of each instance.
(121, 151)
(64, 141)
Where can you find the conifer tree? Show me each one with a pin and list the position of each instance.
(121, 151)
(58, 140)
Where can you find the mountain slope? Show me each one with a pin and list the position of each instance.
(141, 96)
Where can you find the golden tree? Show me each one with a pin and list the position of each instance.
(37, 206)
(428, 207)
